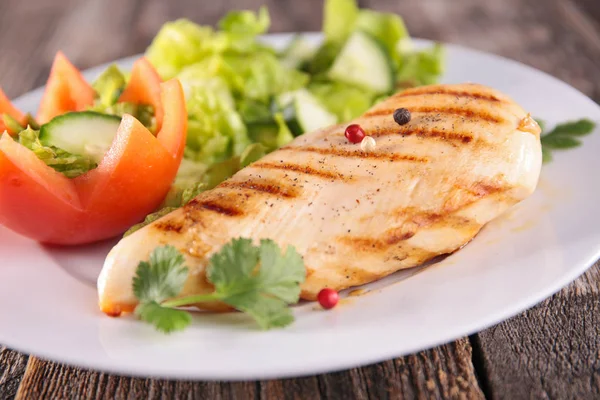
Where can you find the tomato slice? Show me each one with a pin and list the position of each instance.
(66, 90)
(144, 88)
(35, 200)
(130, 182)
(137, 167)
(6, 107)
(174, 122)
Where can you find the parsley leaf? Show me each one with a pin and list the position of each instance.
(262, 292)
(160, 278)
(165, 319)
(574, 128)
(230, 269)
(260, 281)
(157, 280)
(563, 136)
(559, 142)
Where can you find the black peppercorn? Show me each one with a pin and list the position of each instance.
(402, 116)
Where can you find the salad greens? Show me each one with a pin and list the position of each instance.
(68, 164)
(234, 83)
(109, 86)
(260, 281)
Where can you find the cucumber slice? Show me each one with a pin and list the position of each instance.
(298, 53)
(82, 133)
(364, 62)
(303, 112)
(310, 113)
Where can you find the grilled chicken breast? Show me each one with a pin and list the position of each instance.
(468, 154)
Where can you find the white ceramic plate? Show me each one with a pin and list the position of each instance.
(48, 294)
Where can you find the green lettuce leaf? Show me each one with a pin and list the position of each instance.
(420, 67)
(339, 17)
(109, 86)
(68, 164)
(142, 112)
(246, 22)
(223, 170)
(178, 196)
(324, 58)
(388, 28)
(345, 101)
(261, 75)
(180, 43)
(11, 123)
(212, 74)
(215, 129)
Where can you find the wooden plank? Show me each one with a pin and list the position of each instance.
(21, 66)
(12, 368)
(48, 380)
(444, 372)
(546, 37)
(550, 351)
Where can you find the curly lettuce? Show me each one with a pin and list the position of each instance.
(70, 165)
(345, 101)
(215, 129)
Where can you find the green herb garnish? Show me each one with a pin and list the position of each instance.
(563, 136)
(260, 281)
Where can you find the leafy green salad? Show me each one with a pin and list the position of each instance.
(245, 98)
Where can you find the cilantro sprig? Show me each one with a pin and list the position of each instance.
(260, 281)
(563, 136)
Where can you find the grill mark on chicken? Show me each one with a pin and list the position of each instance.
(463, 137)
(449, 92)
(262, 187)
(422, 219)
(485, 188)
(430, 220)
(390, 238)
(169, 226)
(302, 169)
(212, 205)
(462, 111)
(357, 154)
(395, 242)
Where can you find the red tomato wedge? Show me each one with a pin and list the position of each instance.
(6, 107)
(130, 182)
(66, 90)
(144, 88)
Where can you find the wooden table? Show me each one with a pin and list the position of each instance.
(550, 351)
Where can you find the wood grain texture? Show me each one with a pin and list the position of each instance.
(445, 373)
(12, 368)
(550, 351)
(555, 36)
